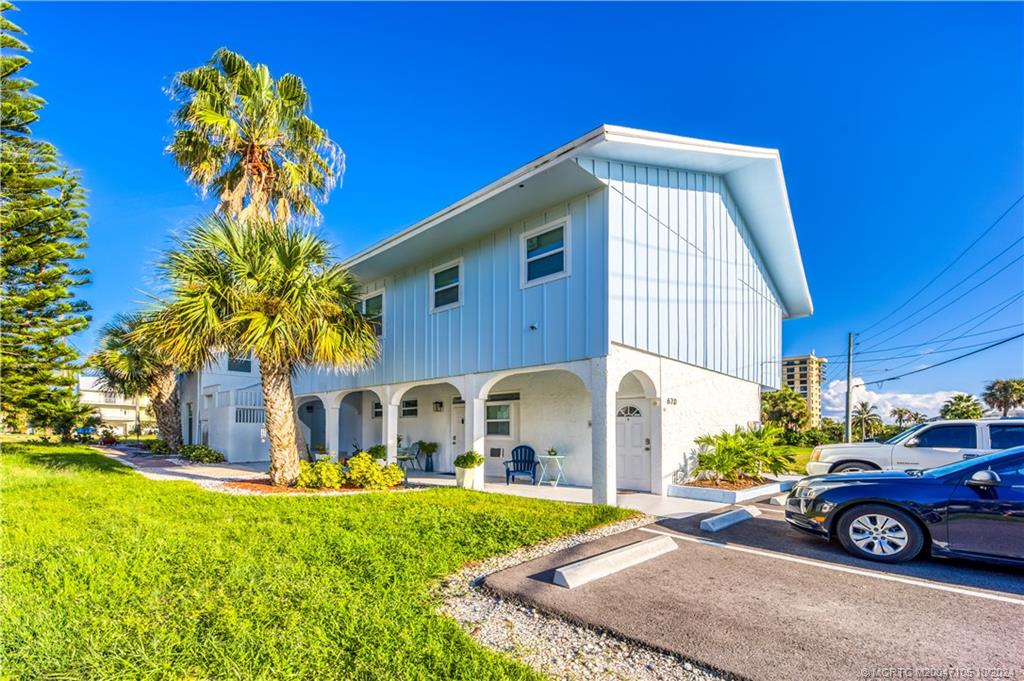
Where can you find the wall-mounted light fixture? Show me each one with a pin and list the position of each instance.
(438, 406)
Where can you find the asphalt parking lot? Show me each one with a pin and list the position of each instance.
(761, 601)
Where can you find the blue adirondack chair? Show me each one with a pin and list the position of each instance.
(522, 464)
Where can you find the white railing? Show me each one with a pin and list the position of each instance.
(249, 398)
(249, 415)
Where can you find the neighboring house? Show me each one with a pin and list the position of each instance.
(118, 413)
(613, 299)
(805, 375)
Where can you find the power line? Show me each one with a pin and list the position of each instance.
(950, 289)
(950, 265)
(998, 307)
(948, 361)
(960, 297)
(842, 356)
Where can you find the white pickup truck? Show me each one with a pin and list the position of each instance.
(926, 445)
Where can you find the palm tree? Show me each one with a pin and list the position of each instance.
(917, 417)
(1005, 394)
(901, 415)
(865, 417)
(247, 138)
(129, 363)
(961, 406)
(277, 293)
(785, 409)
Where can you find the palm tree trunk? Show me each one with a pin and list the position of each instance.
(279, 407)
(163, 394)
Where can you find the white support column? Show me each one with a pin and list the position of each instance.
(602, 432)
(476, 425)
(333, 428)
(389, 428)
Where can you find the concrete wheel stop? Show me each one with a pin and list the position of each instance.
(724, 520)
(587, 570)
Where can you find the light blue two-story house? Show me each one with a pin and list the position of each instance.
(613, 300)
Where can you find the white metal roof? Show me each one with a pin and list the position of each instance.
(754, 176)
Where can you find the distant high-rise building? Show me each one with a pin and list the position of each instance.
(804, 375)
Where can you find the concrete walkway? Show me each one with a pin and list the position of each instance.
(651, 504)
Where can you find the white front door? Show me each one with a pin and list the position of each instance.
(458, 434)
(632, 446)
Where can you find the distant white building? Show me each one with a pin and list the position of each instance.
(118, 413)
(613, 299)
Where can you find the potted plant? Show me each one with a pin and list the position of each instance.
(552, 451)
(428, 449)
(469, 471)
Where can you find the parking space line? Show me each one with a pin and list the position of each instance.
(841, 568)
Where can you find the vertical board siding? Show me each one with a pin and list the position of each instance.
(685, 276)
(491, 329)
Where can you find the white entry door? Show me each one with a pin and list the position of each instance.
(458, 434)
(632, 446)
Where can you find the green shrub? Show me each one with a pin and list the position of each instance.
(159, 447)
(743, 454)
(377, 452)
(321, 475)
(365, 472)
(200, 454)
(469, 460)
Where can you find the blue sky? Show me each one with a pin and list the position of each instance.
(901, 128)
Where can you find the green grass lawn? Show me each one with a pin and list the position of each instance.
(107, 574)
(802, 456)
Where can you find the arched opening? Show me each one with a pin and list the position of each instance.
(313, 423)
(432, 413)
(545, 410)
(636, 423)
(360, 422)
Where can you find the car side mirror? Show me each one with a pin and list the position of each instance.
(983, 478)
(912, 442)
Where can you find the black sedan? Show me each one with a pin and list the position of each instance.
(971, 509)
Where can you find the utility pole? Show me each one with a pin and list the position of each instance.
(849, 384)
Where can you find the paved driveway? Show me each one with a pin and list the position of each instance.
(762, 602)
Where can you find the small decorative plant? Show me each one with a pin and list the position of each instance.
(469, 471)
(427, 448)
(469, 460)
(159, 447)
(552, 451)
(200, 454)
(742, 454)
(377, 452)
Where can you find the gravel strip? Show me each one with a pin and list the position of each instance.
(550, 644)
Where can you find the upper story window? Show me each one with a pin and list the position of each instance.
(446, 286)
(410, 408)
(372, 307)
(240, 364)
(109, 398)
(545, 253)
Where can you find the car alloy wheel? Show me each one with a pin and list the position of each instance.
(878, 534)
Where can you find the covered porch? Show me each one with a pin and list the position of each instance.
(603, 419)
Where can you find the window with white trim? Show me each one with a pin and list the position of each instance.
(499, 419)
(545, 253)
(378, 410)
(410, 408)
(372, 308)
(446, 286)
(240, 364)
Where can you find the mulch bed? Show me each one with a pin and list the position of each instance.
(742, 483)
(263, 486)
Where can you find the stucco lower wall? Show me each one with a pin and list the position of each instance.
(692, 401)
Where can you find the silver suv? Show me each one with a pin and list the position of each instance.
(926, 445)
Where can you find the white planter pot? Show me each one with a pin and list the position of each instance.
(470, 478)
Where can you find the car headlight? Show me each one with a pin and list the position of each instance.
(816, 454)
(806, 492)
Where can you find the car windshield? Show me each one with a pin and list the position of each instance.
(958, 466)
(906, 433)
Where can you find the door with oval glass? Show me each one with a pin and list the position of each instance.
(632, 446)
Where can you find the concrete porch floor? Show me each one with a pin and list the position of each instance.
(652, 504)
